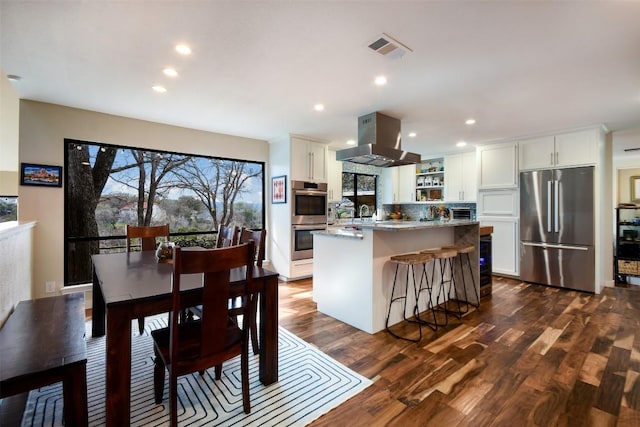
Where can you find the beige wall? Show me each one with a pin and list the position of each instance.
(43, 128)
(9, 108)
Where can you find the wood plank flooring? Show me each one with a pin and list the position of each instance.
(530, 355)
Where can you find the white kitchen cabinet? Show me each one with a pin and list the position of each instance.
(399, 184)
(308, 160)
(460, 177)
(577, 148)
(536, 153)
(568, 149)
(505, 258)
(334, 177)
(498, 203)
(498, 166)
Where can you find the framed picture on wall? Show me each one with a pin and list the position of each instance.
(42, 175)
(279, 189)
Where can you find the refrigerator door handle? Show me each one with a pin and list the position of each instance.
(556, 213)
(546, 245)
(548, 206)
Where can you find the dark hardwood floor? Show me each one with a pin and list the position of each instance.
(530, 355)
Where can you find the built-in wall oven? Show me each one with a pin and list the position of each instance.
(302, 240)
(308, 214)
(309, 202)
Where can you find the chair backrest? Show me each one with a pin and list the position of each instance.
(258, 237)
(215, 265)
(227, 236)
(147, 234)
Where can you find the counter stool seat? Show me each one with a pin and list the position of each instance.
(410, 260)
(449, 293)
(466, 249)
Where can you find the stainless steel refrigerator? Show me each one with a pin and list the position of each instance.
(557, 228)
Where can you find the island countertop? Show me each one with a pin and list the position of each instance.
(354, 230)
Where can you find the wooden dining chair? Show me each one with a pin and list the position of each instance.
(258, 237)
(187, 347)
(227, 236)
(147, 236)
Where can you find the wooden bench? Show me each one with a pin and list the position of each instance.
(43, 342)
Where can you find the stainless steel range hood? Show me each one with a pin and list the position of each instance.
(378, 143)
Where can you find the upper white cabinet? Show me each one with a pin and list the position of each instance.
(568, 149)
(399, 184)
(460, 177)
(308, 160)
(498, 166)
(334, 177)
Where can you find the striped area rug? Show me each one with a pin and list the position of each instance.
(310, 383)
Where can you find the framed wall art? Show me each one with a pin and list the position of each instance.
(42, 175)
(279, 189)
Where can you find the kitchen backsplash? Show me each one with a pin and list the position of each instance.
(416, 211)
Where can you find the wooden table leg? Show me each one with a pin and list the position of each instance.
(118, 367)
(269, 331)
(74, 388)
(98, 308)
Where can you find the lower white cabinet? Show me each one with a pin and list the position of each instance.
(505, 253)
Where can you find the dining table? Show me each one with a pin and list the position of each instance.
(131, 285)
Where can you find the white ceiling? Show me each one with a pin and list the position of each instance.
(258, 67)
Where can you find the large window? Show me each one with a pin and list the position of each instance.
(361, 190)
(108, 187)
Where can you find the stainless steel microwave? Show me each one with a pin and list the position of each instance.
(308, 202)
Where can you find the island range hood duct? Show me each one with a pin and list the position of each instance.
(378, 143)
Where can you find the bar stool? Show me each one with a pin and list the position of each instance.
(428, 287)
(410, 260)
(466, 249)
(445, 257)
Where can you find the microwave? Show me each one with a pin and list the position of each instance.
(460, 213)
(308, 203)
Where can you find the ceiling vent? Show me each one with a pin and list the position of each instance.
(387, 46)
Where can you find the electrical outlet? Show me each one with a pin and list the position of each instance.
(50, 287)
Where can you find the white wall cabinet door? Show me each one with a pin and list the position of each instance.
(537, 153)
(568, 149)
(308, 160)
(406, 183)
(389, 185)
(318, 162)
(498, 166)
(334, 177)
(577, 148)
(460, 177)
(469, 176)
(453, 178)
(505, 258)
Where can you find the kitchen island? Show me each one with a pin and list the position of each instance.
(352, 275)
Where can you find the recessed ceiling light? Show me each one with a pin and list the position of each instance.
(461, 144)
(380, 80)
(351, 142)
(159, 89)
(470, 121)
(183, 49)
(13, 77)
(170, 72)
(318, 107)
(412, 134)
